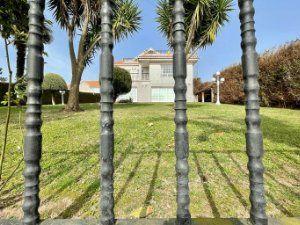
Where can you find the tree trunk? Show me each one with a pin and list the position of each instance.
(53, 99)
(73, 100)
(21, 53)
(8, 109)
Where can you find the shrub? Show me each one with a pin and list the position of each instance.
(54, 83)
(126, 101)
(83, 97)
(3, 90)
(122, 82)
(279, 78)
(196, 85)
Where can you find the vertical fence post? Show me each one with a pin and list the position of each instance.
(254, 140)
(33, 121)
(181, 134)
(107, 122)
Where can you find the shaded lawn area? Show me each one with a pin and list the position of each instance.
(145, 183)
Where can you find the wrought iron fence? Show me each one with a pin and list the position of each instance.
(33, 122)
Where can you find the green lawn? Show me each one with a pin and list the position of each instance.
(144, 162)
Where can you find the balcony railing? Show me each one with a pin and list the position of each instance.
(33, 123)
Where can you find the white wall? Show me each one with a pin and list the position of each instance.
(156, 80)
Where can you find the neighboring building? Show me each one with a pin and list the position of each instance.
(89, 87)
(152, 76)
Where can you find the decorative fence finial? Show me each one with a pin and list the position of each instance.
(107, 122)
(33, 121)
(181, 134)
(254, 140)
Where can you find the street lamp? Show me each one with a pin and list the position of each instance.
(62, 92)
(218, 79)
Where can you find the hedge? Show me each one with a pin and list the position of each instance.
(46, 96)
(279, 78)
(83, 97)
(3, 90)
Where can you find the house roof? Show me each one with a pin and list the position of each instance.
(151, 54)
(206, 86)
(126, 61)
(92, 83)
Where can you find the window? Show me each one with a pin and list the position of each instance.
(145, 73)
(167, 70)
(162, 95)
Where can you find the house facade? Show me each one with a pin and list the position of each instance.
(152, 76)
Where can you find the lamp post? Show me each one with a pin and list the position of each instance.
(62, 92)
(218, 79)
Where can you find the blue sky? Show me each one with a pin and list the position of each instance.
(277, 22)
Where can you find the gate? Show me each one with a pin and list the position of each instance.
(33, 122)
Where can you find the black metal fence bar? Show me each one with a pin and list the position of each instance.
(33, 121)
(107, 122)
(254, 140)
(181, 134)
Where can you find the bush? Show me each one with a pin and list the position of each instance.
(54, 83)
(3, 90)
(126, 101)
(47, 96)
(197, 86)
(122, 82)
(279, 78)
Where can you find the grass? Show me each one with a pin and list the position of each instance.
(145, 184)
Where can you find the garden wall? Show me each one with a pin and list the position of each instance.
(46, 96)
(279, 78)
(83, 97)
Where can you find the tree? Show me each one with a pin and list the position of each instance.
(53, 83)
(121, 82)
(279, 78)
(197, 85)
(203, 19)
(14, 21)
(83, 19)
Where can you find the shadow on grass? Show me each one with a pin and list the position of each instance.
(9, 201)
(266, 173)
(229, 182)
(90, 190)
(277, 204)
(280, 132)
(281, 167)
(132, 105)
(207, 191)
(149, 196)
(129, 179)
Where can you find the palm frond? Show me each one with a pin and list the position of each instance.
(203, 18)
(126, 19)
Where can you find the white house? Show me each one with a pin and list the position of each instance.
(152, 76)
(89, 86)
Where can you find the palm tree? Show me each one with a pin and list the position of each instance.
(83, 18)
(15, 13)
(203, 19)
